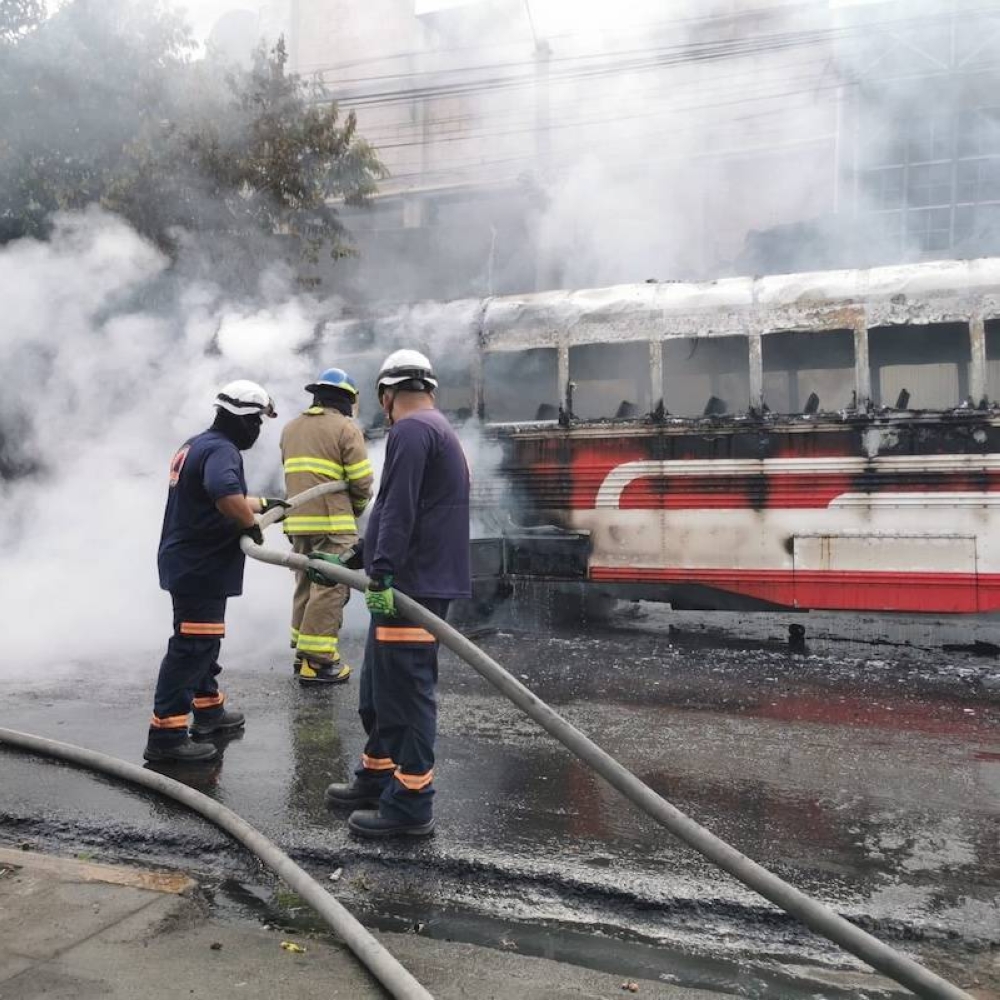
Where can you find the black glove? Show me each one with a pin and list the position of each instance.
(353, 558)
(268, 503)
(254, 533)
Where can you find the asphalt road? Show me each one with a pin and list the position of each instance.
(863, 770)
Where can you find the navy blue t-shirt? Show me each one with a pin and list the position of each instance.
(200, 552)
(418, 531)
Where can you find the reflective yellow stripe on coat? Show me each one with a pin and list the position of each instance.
(321, 524)
(323, 445)
(315, 465)
(359, 470)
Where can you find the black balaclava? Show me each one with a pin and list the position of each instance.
(330, 397)
(243, 431)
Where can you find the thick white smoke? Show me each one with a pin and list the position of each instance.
(102, 390)
(108, 369)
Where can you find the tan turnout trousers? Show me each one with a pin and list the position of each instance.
(318, 612)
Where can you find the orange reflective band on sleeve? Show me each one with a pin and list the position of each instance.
(209, 629)
(377, 763)
(398, 633)
(169, 722)
(414, 782)
(211, 701)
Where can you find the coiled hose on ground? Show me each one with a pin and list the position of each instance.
(383, 966)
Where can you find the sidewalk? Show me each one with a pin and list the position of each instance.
(71, 930)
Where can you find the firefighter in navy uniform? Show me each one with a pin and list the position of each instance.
(318, 446)
(201, 564)
(417, 541)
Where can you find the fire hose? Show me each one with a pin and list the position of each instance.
(373, 955)
(814, 914)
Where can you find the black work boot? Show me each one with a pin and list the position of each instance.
(352, 795)
(228, 722)
(297, 665)
(370, 823)
(311, 673)
(183, 752)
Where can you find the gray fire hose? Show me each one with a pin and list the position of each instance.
(372, 955)
(815, 915)
(380, 962)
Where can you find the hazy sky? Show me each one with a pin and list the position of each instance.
(202, 14)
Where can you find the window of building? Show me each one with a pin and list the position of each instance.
(706, 376)
(808, 371)
(920, 367)
(521, 385)
(933, 185)
(611, 380)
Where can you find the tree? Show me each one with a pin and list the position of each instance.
(18, 17)
(76, 90)
(105, 104)
(267, 155)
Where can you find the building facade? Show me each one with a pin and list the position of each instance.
(680, 141)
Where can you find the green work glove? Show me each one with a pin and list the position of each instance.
(315, 576)
(378, 597)
(269, 503)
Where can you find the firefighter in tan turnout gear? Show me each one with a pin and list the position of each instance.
(322, 444)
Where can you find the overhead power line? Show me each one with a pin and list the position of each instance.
(521, 72)
(656, 102)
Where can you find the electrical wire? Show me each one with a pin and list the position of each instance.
(743, 83)
(627, 59)
(520, 125)
(644, 27)
(559, 125)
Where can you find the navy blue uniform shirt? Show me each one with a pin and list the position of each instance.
(200, 552)
(418, 531)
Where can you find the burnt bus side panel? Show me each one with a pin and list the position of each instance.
(875, 513)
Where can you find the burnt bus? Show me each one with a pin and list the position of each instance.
(810, 441)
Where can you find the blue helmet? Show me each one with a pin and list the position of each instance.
(334, 378)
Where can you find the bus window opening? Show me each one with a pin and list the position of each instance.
(611, 380)
(521, 385)
(808, 371)
(706, 376)
(992, 361)
(920, 367)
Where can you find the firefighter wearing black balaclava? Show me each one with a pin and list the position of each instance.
(201, 564)
(417, 542)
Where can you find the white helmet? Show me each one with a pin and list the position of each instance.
(245, 398)
(404, 366)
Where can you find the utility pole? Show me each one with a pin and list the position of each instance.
(543, 55)
(294, 52)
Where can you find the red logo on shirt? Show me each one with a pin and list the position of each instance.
(177, 463)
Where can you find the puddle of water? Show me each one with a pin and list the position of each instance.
(596, 949)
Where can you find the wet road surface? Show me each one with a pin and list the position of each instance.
(866, 775)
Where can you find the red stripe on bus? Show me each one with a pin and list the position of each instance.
(729, 492)
(550, 487)
(785, 491)
(833, 590)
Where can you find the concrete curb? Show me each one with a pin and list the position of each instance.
(71, 929)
